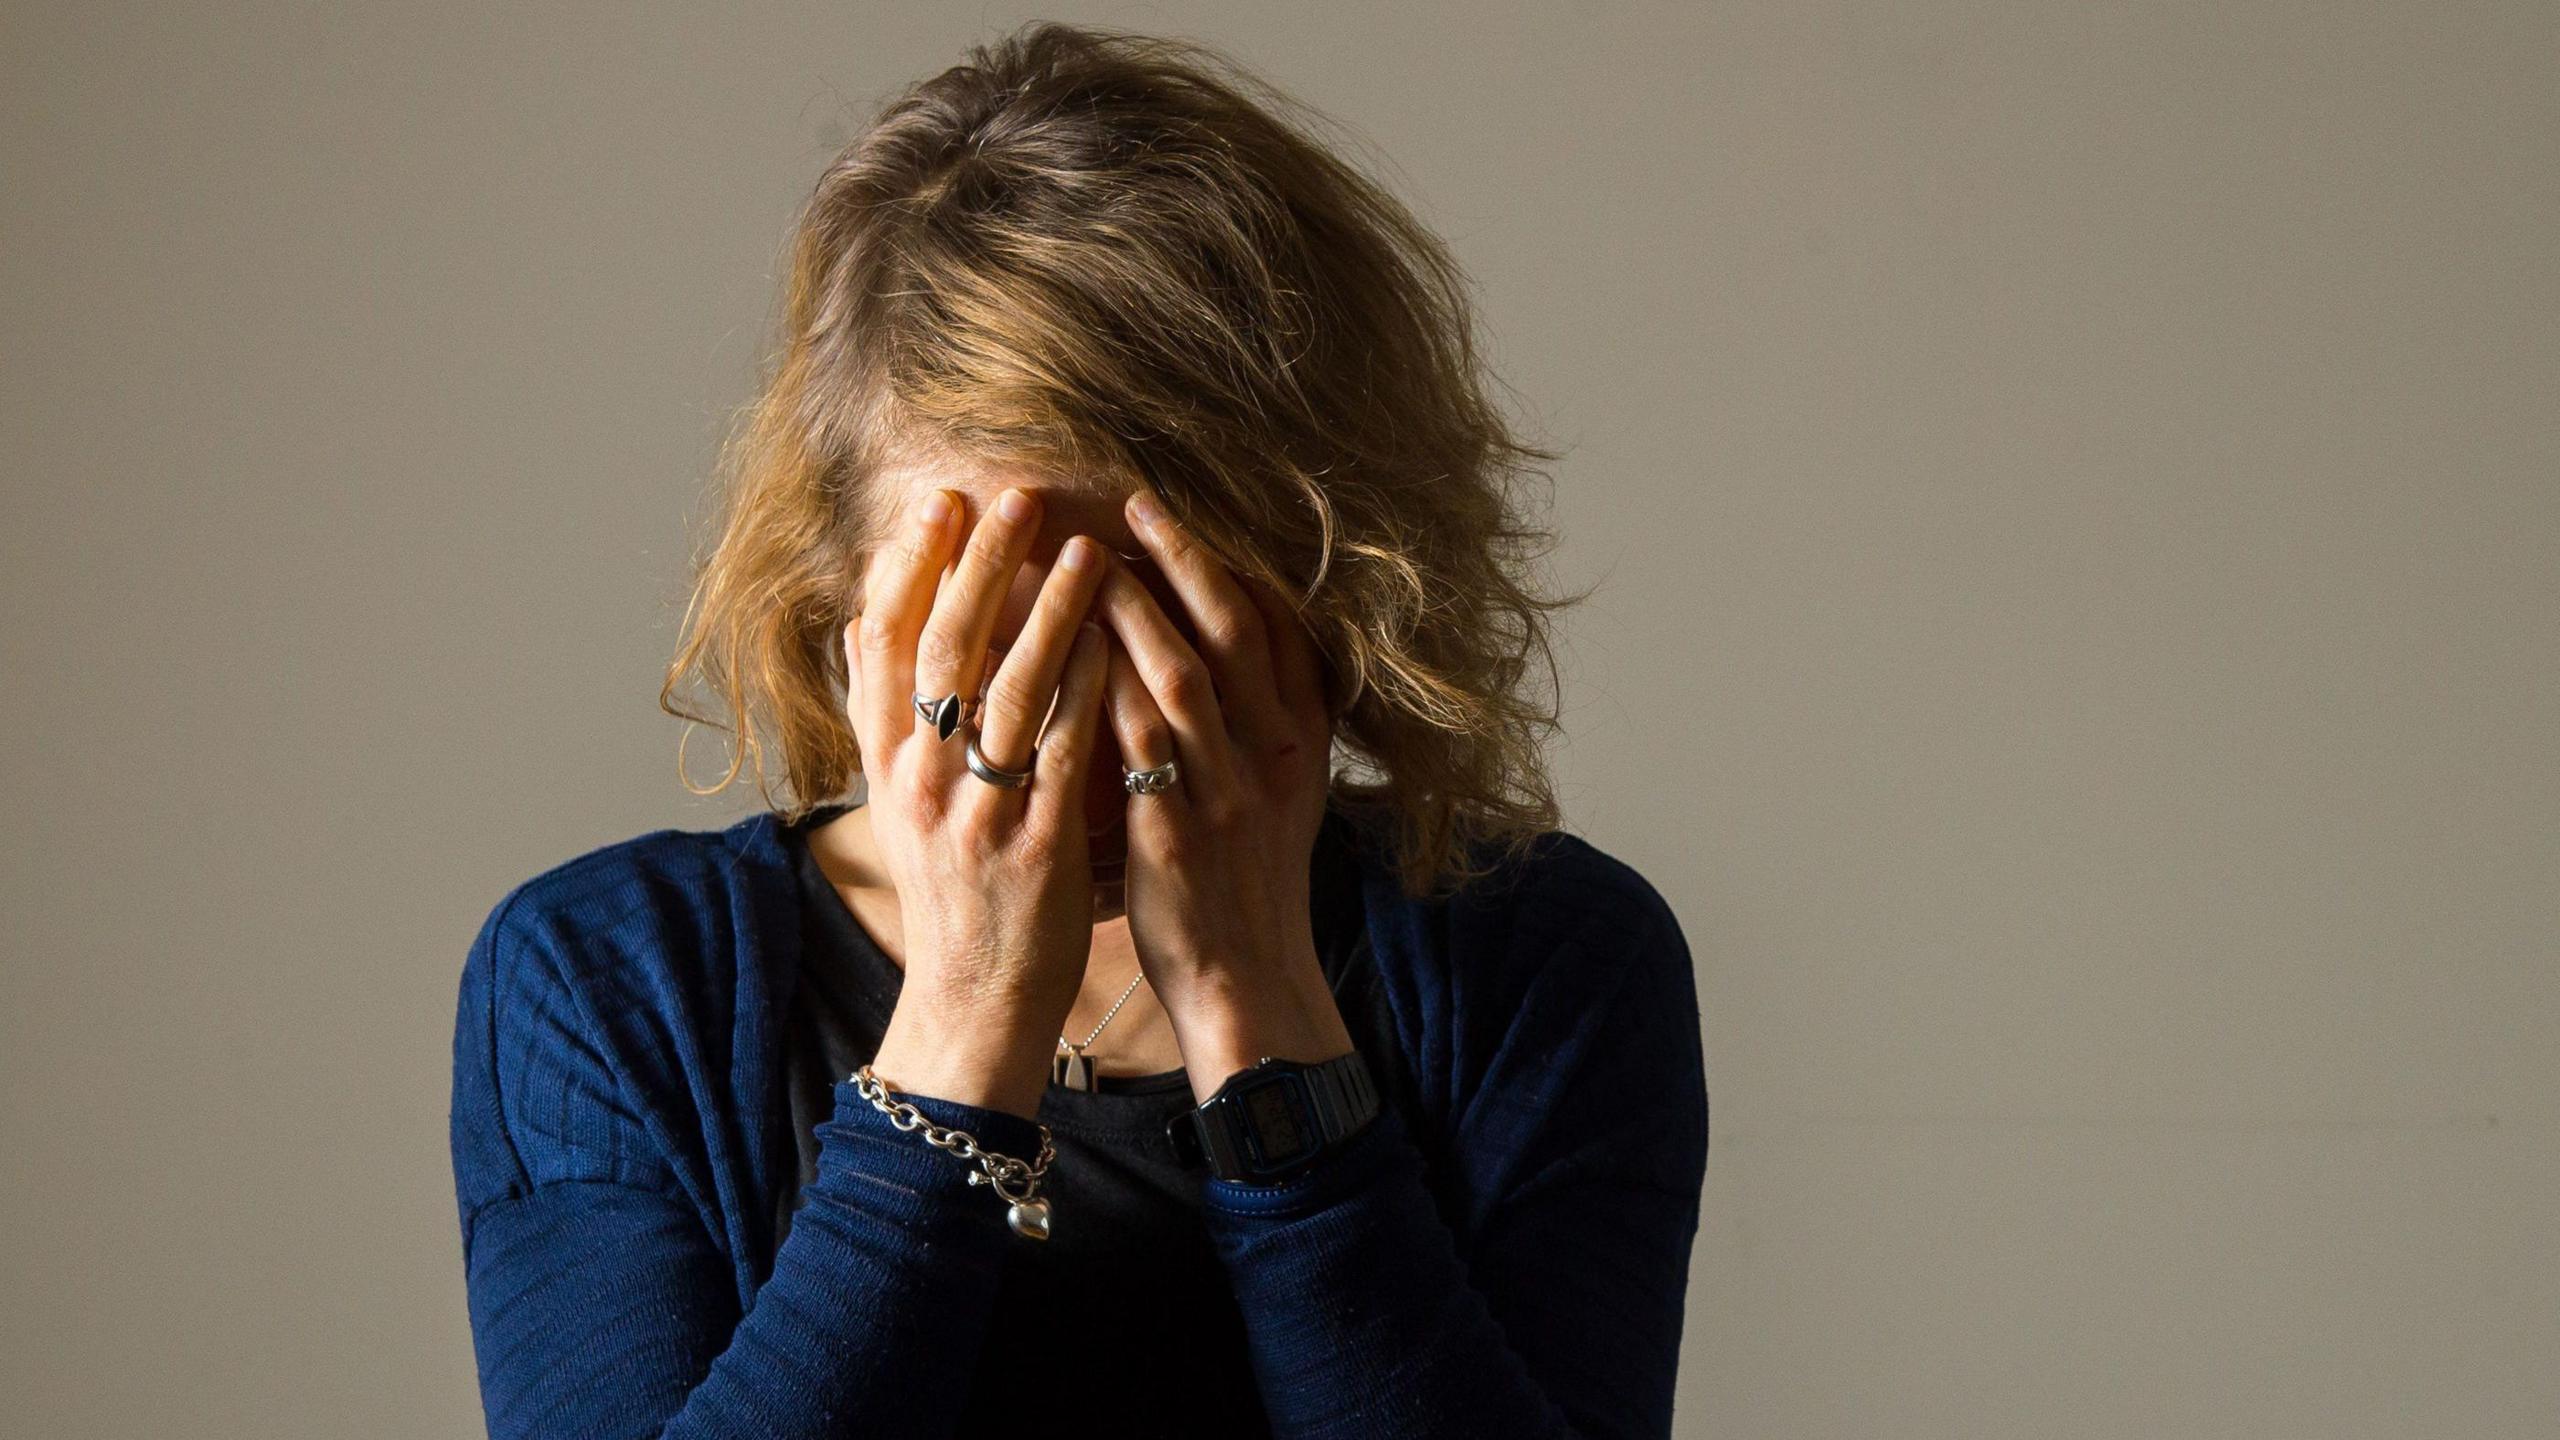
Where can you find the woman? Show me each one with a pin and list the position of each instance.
(1113, 1062)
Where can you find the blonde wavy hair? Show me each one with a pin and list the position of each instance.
(1115, 258)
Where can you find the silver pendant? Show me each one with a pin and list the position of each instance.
(1071, 1068)
(1029, 1218)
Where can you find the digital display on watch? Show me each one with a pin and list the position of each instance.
(1279, 1130)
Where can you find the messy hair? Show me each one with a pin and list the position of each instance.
(1125, 261)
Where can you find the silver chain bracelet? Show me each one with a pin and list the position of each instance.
(1016, 1181)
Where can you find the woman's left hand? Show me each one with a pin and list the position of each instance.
(1219, 865)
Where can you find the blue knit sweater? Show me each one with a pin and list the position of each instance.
(1512, 1265)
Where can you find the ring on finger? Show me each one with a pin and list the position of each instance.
(1154, 780)
(1000, 778)
(945, 714)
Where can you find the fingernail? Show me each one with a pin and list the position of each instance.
(1149, 512)
(937, 507)
(1015, 505)
(1076, 555)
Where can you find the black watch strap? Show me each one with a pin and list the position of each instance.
(1276, 1117)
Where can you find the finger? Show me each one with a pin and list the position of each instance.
(1139, 728)
(872, 759)
(1176, 682)
(849, 645)
(1025, 682)
(1297, 666)
(898, 590)
(951, 653)
(1067, 745)
(1233, 638)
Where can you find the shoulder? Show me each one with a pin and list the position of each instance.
(601, 897)
(598, 985)
(1572, 945)
(1554, 911)
(669, 920)
(1557, 939)
(1563, 889)
(1553, 1000)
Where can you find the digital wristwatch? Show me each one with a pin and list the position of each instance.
(1274, 1119)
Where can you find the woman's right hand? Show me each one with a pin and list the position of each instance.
(995, 886)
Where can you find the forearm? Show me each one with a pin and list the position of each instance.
(602, 1314)
(1358, 1309)
(881, 1315)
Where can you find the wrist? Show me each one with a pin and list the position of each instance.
(1233, 1030)
(977, 1058)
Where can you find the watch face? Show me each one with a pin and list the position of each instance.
(1280, 1131)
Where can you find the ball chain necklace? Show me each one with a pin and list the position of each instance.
(1072, 1067)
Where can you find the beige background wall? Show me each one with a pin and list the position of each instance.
(2075, 487)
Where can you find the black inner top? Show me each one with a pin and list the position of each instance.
(1125, 1311)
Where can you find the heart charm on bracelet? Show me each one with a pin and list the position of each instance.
(1029, 1217)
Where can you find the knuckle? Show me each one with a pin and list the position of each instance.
(989, 542)
(1039, 828)
(1064, 754)
(1014, 693)
(876, 633)
(915, 548)
(1232, 630)
(982, 826)
(1058, 609)
(919, 805)
(938, 652)
(1182, 685)
(1150, 739)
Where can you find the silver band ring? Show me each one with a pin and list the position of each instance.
(1153, 781)
(945, 713)
(1001, 779)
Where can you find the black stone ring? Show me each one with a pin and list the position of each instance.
(945, 714)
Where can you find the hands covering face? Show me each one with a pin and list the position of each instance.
(1217, 865)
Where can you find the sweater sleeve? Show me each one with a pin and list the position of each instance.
(1563, 1317)
(600, 1304)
